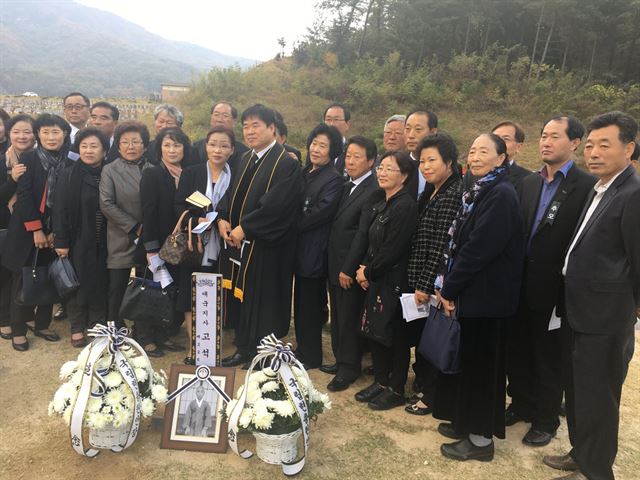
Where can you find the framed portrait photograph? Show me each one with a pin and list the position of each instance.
(192, 420)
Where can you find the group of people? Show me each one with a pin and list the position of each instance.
(541, 269)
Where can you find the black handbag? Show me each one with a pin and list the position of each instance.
(36, 287)
(147, 302)
(379, 310)
(63, 276)
(440, 341)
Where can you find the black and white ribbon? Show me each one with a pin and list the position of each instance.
(202, 374)
(280, 358)
(113, 340)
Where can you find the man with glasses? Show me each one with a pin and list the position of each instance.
(339, 116)
(76, 112)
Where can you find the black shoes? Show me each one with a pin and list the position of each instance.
(387, 400)
(48, 336)
(6, 336)
(447, 430)
(560, 462)
(338, 384)
(330, 368)
(414, 409)
(235, 360)
(537, 438)
(463, 450)
(20, 347)
(369, 393)
(511, 417)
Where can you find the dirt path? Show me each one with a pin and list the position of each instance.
(349, 442)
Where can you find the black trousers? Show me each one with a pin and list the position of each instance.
(597, 368)
(391, 364)
(83, 315)
(309, 312)
(21, 314)
(118, 280)
(5, 297)
(535, 368)
(346, 311)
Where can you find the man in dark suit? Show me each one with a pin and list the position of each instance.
(419, 124)
(513, 136)
(339, 116)
(104, 116)
(602, 292)
(551, 201)
(347, 246)
(222, 114)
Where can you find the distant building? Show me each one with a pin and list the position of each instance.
(172, 91)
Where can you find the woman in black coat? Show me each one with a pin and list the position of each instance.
(31, 225)
(323, 186)
(157, 191)
(384, 276)
(484, 259)
(80, 233)
(20, 134)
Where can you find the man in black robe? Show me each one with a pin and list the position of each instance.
(257, 221)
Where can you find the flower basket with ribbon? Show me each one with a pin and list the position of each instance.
(276, 403)
(108, 389)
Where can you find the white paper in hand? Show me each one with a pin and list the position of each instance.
(202, 227)
(411, 311)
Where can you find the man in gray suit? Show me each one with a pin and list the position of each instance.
(602, 292)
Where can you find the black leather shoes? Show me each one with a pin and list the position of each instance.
(338, 384)
(537, 438)
(511, 417)
(560, 462)
(387, 400)
(415, 409)
(235, 360)
(330, 368)
(20, 347)
(369, 393)
(49, 337)
(463, 450)
(447, 430)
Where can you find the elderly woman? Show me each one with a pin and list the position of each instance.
(80, 233)
(322, 191)
(164, 116)
(31, 225)
(212, 179)
(484, 259)
(158, 190)
(384, 275)
(121, 204)
(437, 207)
(20, 134)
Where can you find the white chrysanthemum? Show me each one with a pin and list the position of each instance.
(99, 420)
(245, 418)
(270, 386)
(326, 401)
(258, 376)
(94, 404)
(67, 369)
(120, 418)
(113, 379)
(66, 416)
(59, 404)
(147, 407)
(284, 408)
(261, 405)
(104, 362)
(140, 362)
(113, 397)
(263, 420)
(76, 378)
(141, 374)
(68, 391)
(253, 394)
(159, 393)
(127, 397)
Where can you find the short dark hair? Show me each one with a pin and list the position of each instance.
(636, 152)
(501, 147)
(332, 133)
(91, 132)
(115, 113)
(5, 117)
(626, 124)
(444, 144)
(575, 129)
(432, 118)
(220, 129)
(265, 114)
(51, 120)
(366, 143)
(234, 111)
(23, 117)
(177, 135)
(281, 127)
(516, 127)
(77, 94)
(405, 164)
(345, 111)
(131, 126)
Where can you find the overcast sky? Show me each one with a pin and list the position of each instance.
(244, 28)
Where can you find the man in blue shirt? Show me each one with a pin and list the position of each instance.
(551, 202)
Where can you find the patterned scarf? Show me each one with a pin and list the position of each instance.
(52, 162)
(174, 169)
(468, 200)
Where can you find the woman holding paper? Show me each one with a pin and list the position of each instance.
(481, 285)
(384, 276)
(157, 191)
(204, 185)
(437, 207)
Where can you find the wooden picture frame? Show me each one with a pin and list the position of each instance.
(192, 423)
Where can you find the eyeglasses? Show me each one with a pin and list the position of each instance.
(77, 106)
(381, 169)
(133, 143)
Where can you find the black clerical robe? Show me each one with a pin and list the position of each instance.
(265, 200)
